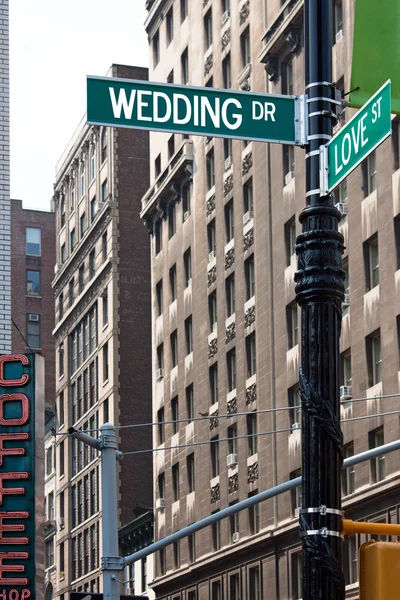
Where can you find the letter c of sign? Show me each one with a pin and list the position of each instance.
(13, 358)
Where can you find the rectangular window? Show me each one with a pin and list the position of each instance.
(159, 298)
(33, 283)
(61, 361)
(396, 224)
(249, 274)
(208, 36)
(297, 574)
(212, 240)
(216, 541)
(212, 310)
(92, 492)
(229, 221)
(81, 278)
(190, 402)
(71, 289)
(61, 466)
(185, 67)
(338, 19)
(104, 247)
(233, 524)
(210, 170)
(171, 220)
(227, 153)
(248, 200)
(295, 408)
(371, 261)
(106, 411)
(82, 225)
(295, 493)
(254, 583)
(33, 330)
(345, 369)
(187, 263)
(160, 426)
(350, 555)
(369, 174)
(105, 362)
(292, 323)
(160, 356)
(245, 48)
(287, 77)
(254, 516)
(172, 283)
(156, 49)
(93, 209)
(288, 163)
(232, 440)
(62, 211)
(93, 553)
(251, 355)
(231, 369)
(86, 497)
(227, 72)
(175, 414)
(161, 485)
(230, 295)
(213, 384)
(374, 358)
(174, 348)
(190, 472)
(349, 474)
(189, 335)
(214, 454)
(158, 237)
(290, 240)
(104, 191)
(175, 482)
(252, 440)
(49, 553)
(377, 465)
(33, 241)
(184, 9)
(105, 309)
(72, 237)
(169, 22)
(192, 557)
(234, 587)
(61, 409)
(186, 201)
(91, 264)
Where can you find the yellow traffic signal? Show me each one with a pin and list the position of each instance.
(380, 571)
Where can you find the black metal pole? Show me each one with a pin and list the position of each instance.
(320, 292)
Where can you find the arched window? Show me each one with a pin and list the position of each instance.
(92, 162)
(83, 179)
(72, 195)
(104, 145)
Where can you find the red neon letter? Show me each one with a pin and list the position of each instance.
(13, 527)
(13, 595)
(12, 491)
(25, 594)
(24, 409)
(13, 358)
(11, 437)
(12, 568)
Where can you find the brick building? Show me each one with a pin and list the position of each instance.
(102, 334)
(223, 216)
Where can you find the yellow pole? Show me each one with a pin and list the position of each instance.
(349, 527)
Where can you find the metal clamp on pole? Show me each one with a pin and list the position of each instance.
(322, 510)
(324, 532)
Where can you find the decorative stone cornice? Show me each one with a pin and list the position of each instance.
(251, 393)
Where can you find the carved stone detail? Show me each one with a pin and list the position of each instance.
(252, 473)
(230, 333)
(247, 163)
(208, 64)
(211, 276)
(215, 494)
(244, 12)
(228, 184)
(248, 239)
(233, 483)
(214, 420)
(225, 39)
(251, 393)
(212, 348)
(210, 204)
(231, 406)
(250, 316)
(229, 258)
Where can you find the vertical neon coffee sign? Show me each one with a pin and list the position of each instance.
(17, 477)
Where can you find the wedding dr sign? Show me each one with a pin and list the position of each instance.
(17, 477)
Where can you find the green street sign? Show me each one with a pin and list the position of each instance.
(195, 110)
(358, 138)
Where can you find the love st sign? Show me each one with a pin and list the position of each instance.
(358, 138)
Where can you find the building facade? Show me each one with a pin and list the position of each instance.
(223, 217)
(5, 259)
(102, 335)
(135, 536)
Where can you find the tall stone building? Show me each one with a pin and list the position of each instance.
(102, 335)
(5, 260)
(223, 216)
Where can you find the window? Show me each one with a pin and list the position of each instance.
(337, 18)
(254, 515)
(249, 277)
(49, 553)
(81, 278)
(297, 574)
(369, 173)
(175, 482)
(63, 254)
(172, 283)
(229, 221)
(62, 211)
(33, 283)
(72, 196)
(227, 153)
(33, 330)
(233, 523)
(170, 26)
(86, 497)
(156, 49)
(105, 362)
(232, 440)
(397, 240)
(187, 263)
(374, 358)
(93, 209)
(292, 325)
(227, 72)
(290, 240)
(175, 414)
(160, 421)
(82, 224)
(212, 239)
(72, 239)
(377, 464)
(105, 309)
(210, 169)
(104, 190)
(104, 143)
(251, 355)
(190, 472)
(185, 67)
(91, 264)
(245, 47)
(208, 37)
(214, 384)
(287, 77)
(106, 411)
(189, 335)
(345, 368)
(61, 409)
(33, 241)
(61, 360)
(93, 545)
(248, 198)
(340, 193)
(288, 163)
(171, 146)
(171, 220)
(190, 402)
(158, 236)
(234, 587)
(104, 247)
(159, 298)
(162, 561)
(230, 295)
(214, 454)
(371, 261)
(216, 545)
(254, 583)
(252, 440)
(186, 200)
(83, 179)
(231, 369)
(295, 407)
(92, 163)
(161, 485)
(349, 474)
(212, 310)
(184, 9)
(192, 557)
(160, 356)
(49, 460)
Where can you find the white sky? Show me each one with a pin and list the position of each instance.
(54, 44)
